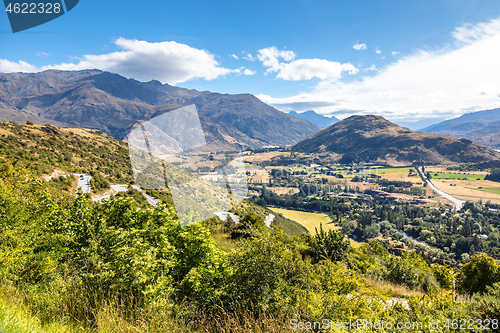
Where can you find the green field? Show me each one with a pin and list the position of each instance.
(446, 175)
(388, 170)
(490, 190)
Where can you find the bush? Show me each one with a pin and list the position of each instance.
(478, 273)
(331, 245)
(444, 275)
(408, 270)
(488, 304)
(98, 182)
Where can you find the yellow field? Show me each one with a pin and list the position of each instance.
(400, 174)
(468, 189)
(311, 221)
(389, 170)
(308, 220)
(283, 190)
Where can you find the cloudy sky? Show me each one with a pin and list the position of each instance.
(405, 60)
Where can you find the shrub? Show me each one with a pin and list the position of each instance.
(408, 270)
(488, 304)
(443, 274)
(331, 245)
(478, 273)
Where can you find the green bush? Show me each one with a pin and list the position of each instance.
(331, 245)
(488, 304)
(478, 273)
(408, 270)
(98, 182)
(444, 275)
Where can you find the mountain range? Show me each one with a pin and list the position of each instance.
(114, 104)
(419, 124)
(313, 117)
(373, 138)
(482, 127)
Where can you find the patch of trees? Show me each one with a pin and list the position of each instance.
(396, 183)
(494, 175)
(98, 182)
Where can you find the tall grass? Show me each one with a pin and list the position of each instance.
(16, 317)
(21, 313)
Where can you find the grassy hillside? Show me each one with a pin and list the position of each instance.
(44, 148)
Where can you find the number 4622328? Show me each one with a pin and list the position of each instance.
(33, 8)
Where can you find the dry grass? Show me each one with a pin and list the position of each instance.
(309, 220)
(468, 189)
(283, 190)
(262, 157)
(56, 173)
(390, 289)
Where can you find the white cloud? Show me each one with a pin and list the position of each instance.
(372, 68)
(359, 46)
(42, 54)
(445, 82)
(307, 69)
(168, 62)
(234, 56)
(378, 51)
(7, 66)
(271, 56)
(394, 53)
(301, 69)
(469, 33)
(248, 56)
(249, 72)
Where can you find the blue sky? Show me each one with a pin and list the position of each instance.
(400, 59)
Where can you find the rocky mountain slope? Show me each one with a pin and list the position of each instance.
(113, 104)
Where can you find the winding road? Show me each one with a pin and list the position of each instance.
(456, 202)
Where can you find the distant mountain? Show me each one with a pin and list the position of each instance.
(372, 138)
(113, 104)
(482, 127)
(418, 125)
(315, 118)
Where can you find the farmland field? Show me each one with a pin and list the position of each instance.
(491, 190)
(311, 221)
(400, 174)
(308, 220)
(389, 170)
(283, 190)
(447, 175)
(473, 190)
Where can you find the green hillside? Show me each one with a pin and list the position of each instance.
(44, 148)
